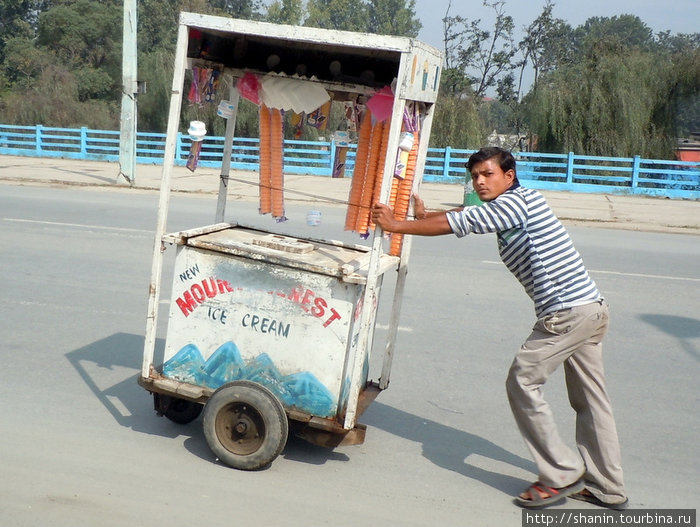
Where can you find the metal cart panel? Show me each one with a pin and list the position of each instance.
(293, 328)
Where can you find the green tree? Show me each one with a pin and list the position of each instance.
(86, 35)
(157, 25)
(18, 19)
(68, 74)
(346, 15)
(624, 94)
(613, 34)
(245, 9)
(156, 69)
(547, 44)
(609, 105)
(683, 51)
(498, 116)
(456, 123)
(286, 12)
(678, 43)
(475, 61)
(393, 17)
(453, 80)
(24, 62)
(200, 6)
(483, 56)
(52, 100)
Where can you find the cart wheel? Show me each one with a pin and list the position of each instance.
(245, 425)
(178, 410)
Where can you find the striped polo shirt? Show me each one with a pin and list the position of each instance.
(535, 247)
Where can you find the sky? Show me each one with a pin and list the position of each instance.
(678, 16)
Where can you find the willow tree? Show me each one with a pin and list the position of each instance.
(456, 123)
(683, 50)
(621, 95)
(611, 104)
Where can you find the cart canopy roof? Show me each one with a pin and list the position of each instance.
(340, 57)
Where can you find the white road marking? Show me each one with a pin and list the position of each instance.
(386, 326)
(638, 275)
(83, 226)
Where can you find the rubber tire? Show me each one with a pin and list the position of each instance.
(180, 411)
(245, 425)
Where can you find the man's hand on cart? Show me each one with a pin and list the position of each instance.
(428, 224)
(383, 216)
(418, 207)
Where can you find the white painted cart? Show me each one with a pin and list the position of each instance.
(268, 332)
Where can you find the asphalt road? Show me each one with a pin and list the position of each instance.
(81, 445)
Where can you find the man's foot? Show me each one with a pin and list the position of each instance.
(588, 497)
(539, 495)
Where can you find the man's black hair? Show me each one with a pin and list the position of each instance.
(505, 159)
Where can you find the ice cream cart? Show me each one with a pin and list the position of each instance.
(271, 334)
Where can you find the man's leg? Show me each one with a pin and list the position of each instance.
(596, 433)
(553, 340)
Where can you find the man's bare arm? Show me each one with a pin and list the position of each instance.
(432, 224)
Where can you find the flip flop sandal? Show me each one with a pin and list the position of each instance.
(537, 489)
(588, 497)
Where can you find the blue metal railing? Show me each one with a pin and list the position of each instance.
(566, 172)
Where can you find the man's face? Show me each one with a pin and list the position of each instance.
(489, 179)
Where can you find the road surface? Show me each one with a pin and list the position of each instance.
(81, 445)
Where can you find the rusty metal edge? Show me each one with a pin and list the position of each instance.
(181, 237)
(158, 384)
(323, 438)
(319, 431)
(329, 433)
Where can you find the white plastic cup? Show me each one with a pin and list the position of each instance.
(313, 218)
(341, 138)
(406, 141)
(225, 109)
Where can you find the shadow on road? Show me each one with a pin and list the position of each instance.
(129, 404)
(132, 407)
(683, 328)
(451, 448)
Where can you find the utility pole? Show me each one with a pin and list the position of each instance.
(127, 137)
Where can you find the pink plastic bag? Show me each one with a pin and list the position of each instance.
(249, 88)
(382, 103)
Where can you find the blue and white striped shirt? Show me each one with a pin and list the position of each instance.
(535, 247)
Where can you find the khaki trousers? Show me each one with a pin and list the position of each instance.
(572, 337)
